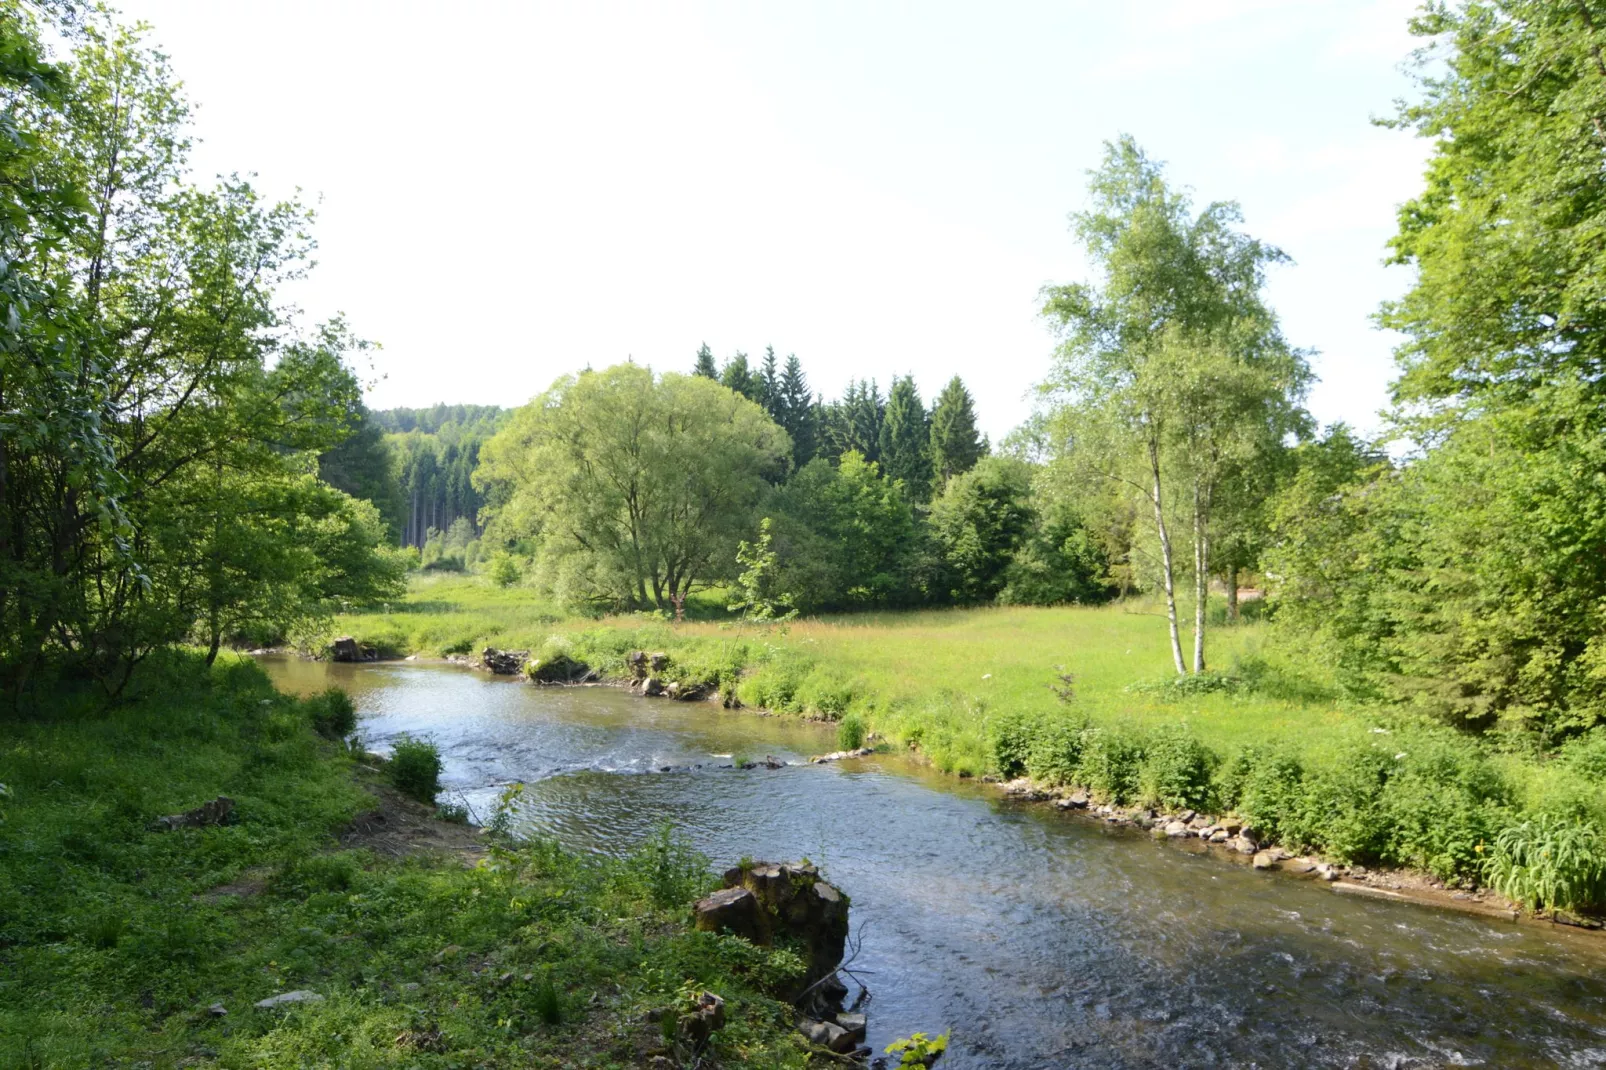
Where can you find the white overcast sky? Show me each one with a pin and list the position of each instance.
(511, 191)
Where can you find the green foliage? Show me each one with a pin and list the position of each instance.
(845, 536)
(918, 1049)
(1176, 770)
(761, 600)
(504, 570)
(334, 716)
(980, 522)
(627, 519)
(415, 768)
(1549, 861)
(1110, 761)
(1009, 739)
(1053, 750)
(850, 732)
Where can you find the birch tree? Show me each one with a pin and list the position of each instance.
(1171, 367)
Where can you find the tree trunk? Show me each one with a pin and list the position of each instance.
(1201, 576)
(1232, 592)
(1165, 561)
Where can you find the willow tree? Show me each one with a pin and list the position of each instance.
(1172, 370)
(638, 487)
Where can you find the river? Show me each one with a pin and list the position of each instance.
(1041, 939)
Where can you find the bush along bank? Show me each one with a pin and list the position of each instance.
(199, 877)
(1402, 794)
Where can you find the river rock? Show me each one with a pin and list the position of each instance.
(1176, 829)
(560, 669)
(1076, 800)
(284, 999)
(790, 903)
(732, 910)
(220, 811)
(1264, 860)
(854, 1023)
(652, 687)
(504, 662)
(1243, 844)
(345, 649)
(825, 1034)
(839, 755)
(1220, 836)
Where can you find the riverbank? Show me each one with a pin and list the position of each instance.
(1083, 698)
(412, 941)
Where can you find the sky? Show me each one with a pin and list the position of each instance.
(508, 192)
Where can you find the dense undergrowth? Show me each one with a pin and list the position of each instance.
(115, 940)
(985, 691)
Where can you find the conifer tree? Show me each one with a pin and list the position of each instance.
(955, 445)
(797, 412)
(739, 377)
(906, 439)
(768, 380)
(705, 364)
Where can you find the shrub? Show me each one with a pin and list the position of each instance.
(1190, 685)
(1340, 809)
(1175, 770)
(1441, 803)
(1586, 755)
(850, 732)
(1109, 763)
(1054, 754)
(1009, 739)
(824, 693)
(1265, 786)
(1549, 861)
(415, 768)
(504, 570)
(333, 714)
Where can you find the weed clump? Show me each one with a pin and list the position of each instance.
(334, 716)
(850, 732)
(415, 768)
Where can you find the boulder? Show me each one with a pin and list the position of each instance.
(560, 669)
(1220, 836)
(1264, 860)
(827, 1035)
(504, 662)
(1243, 844)
(653, 687)
(345, 649)
(220, 811)
(855, 1024)
(1176, 829)
(731, 910)
(658, 662)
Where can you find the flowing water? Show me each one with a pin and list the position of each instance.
(1041, 939)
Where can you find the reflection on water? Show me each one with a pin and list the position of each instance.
(1041, 939)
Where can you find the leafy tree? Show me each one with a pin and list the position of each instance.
(845, 536)
(981, 520)
(955, 444)
(761, 600)
(638, 486)
(1468, 581)
(1061, 560)
(705, 363)
(1173, 373)
(905, 446)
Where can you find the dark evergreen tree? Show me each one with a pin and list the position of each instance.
(955, 445)
(363, 466)
(797, 412)
(854, 422)
(705, 363)
(739, 377)
(769, 384)
(906, 440)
